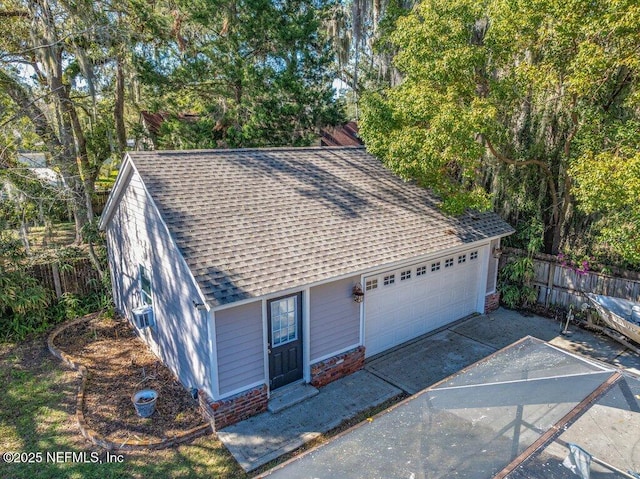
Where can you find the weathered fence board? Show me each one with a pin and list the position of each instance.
(99, 201)
(78, 277)
(564, 286)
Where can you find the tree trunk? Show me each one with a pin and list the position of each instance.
(24, 235)
(94, 260)
(118, 109)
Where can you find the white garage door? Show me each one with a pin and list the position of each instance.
(405, 303)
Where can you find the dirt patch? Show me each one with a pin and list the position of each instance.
(119, 365)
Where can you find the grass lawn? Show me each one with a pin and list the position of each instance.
(37, 414)
(62, 234)
(37, 407)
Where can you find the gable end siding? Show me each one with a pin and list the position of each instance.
(240, 347)
(335, 318)
(136, 236)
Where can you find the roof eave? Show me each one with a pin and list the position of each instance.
(116, 192)
(217, 306)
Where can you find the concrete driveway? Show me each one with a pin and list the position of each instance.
(417, 365)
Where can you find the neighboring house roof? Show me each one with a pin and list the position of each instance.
(48, 176)
(253, 222)
(344, 135)
(153, 121)
(32, 159)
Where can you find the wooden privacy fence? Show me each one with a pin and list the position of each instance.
(78, 277)
(563, 286)
(99, 200)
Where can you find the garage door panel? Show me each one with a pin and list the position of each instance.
(414, 304)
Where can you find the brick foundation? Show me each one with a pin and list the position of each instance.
(234, 409)
(324, 372)
(491, 302)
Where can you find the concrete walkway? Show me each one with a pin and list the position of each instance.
(267, 436)
(409, 368)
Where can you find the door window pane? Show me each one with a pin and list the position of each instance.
(284, 324)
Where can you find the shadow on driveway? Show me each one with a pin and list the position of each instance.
(417, 365)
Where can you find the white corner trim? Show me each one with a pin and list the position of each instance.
(113, 200)
(362, 313)
(306, 334)
(484, 256)
(265, 344)
(495, 279)
(214, 376)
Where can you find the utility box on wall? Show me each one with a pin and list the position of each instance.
(143, 316)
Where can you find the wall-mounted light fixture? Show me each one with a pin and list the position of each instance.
(358, 294)
(497, 252)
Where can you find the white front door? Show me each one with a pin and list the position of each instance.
(405, 303)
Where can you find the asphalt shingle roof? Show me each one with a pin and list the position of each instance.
(257, 221)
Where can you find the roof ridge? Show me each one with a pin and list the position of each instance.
(236, 150)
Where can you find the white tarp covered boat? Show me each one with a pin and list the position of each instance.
(619, 314)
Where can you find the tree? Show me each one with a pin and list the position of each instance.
(59, 64)
(607, 178)
(64, 66)
(358, 31)
(503, 87)
(37, 46)
(254, 73)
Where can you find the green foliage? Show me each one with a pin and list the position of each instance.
(23, 301)
(249, 75)
(23, 305)
(608, 179)
(27, 307)
(499, 99)
(516, 276)
(528, 236)
(515, 283)
(393, 127)
(29, 199)
(31, 309)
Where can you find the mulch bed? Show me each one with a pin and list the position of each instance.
(119, 365)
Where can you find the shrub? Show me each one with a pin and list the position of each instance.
(23, 305)
(515, 283)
